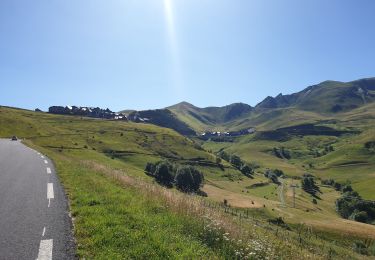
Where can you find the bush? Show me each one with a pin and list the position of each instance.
(347, 188)
(223, 155)
(246, 170)
(370, 146)
(218, 160)
(308, 184)
(236, 161)
(278, 172)
(150, 168)
(360, 216)
(329, 182)
(351, 206)
(188, 179)
(272, 176)
(164, 173)
(337, 186)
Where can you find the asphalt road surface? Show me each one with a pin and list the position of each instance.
(34, 217)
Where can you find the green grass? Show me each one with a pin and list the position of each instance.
(116, 223)
(117, 220)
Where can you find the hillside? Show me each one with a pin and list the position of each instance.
(326, 97)
(163, 118)
(314, 103)
(204, 118)
(120, 213)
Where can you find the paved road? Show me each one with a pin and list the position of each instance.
(34, 219)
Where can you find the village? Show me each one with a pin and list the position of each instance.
(94, 112)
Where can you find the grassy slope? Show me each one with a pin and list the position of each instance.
(111, 222)
(349, 162)
(116, 220)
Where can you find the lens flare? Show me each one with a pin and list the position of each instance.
(173, 47)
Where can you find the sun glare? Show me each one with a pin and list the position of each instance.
(173, 46)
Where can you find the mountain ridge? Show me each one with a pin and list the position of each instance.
(326, 98)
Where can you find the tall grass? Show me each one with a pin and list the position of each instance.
(229, 236)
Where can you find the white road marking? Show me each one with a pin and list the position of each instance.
(44, 231)
(49, 170)
(42, 156)
(45, 161)
(50, 194)
(49, 202)
(45, 249)
(39, 153)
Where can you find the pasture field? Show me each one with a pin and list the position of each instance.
(119, 212)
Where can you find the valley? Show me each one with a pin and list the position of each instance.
(101, 163)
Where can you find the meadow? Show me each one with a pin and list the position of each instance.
(120, 213)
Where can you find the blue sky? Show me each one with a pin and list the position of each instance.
(144, 54)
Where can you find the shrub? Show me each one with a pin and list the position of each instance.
(188, 179)
(329, 182)
(223, 155)
(272, 176)
(278, 172)
(246, 170)
(308, 184)
(370, 146)
(164, 173)
(347, 188)
(150, 168)
(360, 216)
(337, 186)
(218, 160)
(236, 161)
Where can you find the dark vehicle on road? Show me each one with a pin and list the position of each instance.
(14, 138)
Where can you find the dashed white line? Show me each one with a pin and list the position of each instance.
(45, 249)
(50, 194)
(45, 161)
(42, 156)
(44, 231)
(49, 170)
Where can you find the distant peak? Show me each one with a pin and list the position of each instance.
(182, 104)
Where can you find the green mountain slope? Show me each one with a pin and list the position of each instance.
(163, 118)
(203, 119)
(326, 97)
(317, 102)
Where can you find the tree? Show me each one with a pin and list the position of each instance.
(246, 170)
(337, 186)
(223, 155)
(347, 188)
(278, 172)
(150, 168)
(272, 176)
(164, 173)
(188, 179)
(236, 161)
(218, 160)
(360, 216)
(309, 185)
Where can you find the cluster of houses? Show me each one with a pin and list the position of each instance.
(95, 112)
(207, 135)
